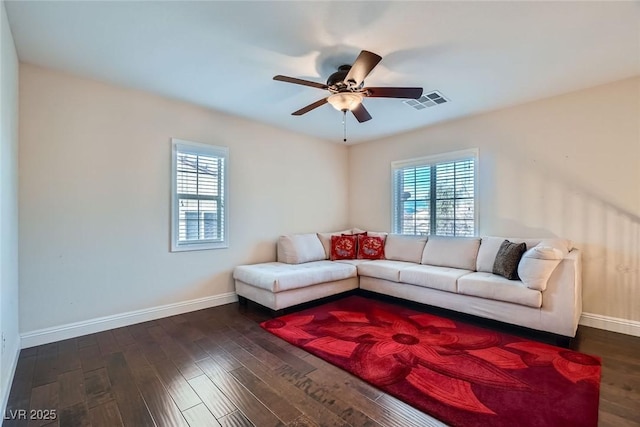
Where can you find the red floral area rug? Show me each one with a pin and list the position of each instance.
(458, 373)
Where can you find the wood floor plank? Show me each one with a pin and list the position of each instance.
(183, 330)
(177, 386)
(322, 394)
(20, 394)
(71, 388)
(298, 397)
(242, 398)
(200, 416)
(152, 350)
(185, 335)
(44, 399)
(212, 397)
(133, 409)
(29, 352)
(183, 361)
(68, 359)
(139, 331)
(87, 340)
(217, 353)
(267, 395)
(162, 408)
(236, 419)
(105, 415)
(68, 345)
(75, 416)
(303, 421)
(622, 409)
(296, 363)
(267, 357)
(341, 383)
(97, 387)
(91, 358)
(606, 419)
(123, 337)
(107, 343)
(46, 368)
(417, 417)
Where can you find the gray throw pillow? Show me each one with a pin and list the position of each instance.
(508, 258)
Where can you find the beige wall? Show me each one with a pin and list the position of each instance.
(8, 207)
(95, 198)
(566, 166)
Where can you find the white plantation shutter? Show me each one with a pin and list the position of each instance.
(199, 218)
(435, 195)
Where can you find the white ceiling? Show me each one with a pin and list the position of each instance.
(223, 55)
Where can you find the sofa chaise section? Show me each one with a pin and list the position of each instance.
(301, 274)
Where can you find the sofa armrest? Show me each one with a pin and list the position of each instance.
(562, 300)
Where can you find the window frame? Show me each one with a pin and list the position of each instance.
(200, 149)
(432, 161)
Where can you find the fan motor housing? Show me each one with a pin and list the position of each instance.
(336, 80)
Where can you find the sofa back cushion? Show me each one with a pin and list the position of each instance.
(382, 234)
(455, 252)
(299, 248)
(325, 239)
(399, 247)
(490, 245)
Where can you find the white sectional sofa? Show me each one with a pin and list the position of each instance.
(454, 273)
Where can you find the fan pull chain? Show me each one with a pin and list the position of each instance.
(344, 124)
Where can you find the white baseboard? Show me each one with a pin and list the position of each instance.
(613, 324)
(77, 329)
(6, 388)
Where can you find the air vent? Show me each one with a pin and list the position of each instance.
(430, 99)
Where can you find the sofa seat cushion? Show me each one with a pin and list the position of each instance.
(278, 277)
(491, 286)
(355, 262)
(428, 276)
(384, 269)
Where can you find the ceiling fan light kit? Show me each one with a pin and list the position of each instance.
(347, 88)
(343, 101)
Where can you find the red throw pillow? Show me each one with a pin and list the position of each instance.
(356, 235)
(370, 247)
(343, 247)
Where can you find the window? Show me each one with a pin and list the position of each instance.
(435, 195)
(199, 196)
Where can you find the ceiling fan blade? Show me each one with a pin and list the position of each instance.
(309, 107)
(393, 92)
(365, 62)
(299, 81)
(361, 113)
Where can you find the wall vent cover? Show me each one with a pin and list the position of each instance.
(430, 99)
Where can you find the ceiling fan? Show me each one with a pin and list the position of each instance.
(347, 88)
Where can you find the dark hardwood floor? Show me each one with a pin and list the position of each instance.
(217, 367)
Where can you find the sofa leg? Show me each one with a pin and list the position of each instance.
(242, 301)
(562, 341)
